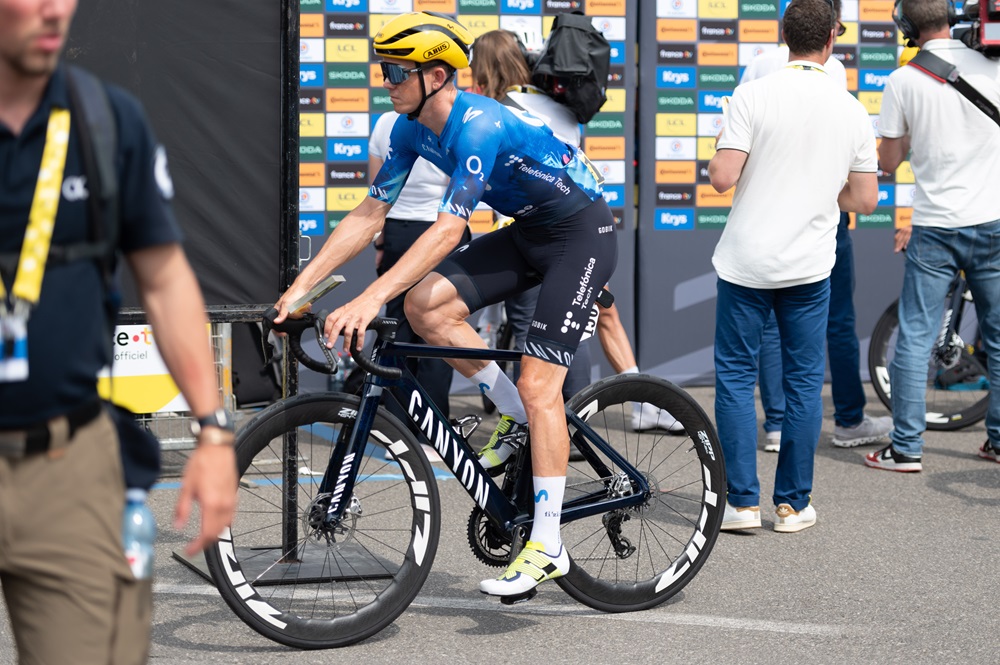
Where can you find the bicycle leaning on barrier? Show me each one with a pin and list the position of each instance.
(332, 540)
(958, 386)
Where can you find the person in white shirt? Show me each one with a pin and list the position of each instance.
(799, 148)
(956, 218)
(852, 427)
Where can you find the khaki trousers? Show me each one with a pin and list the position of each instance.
(69, 591)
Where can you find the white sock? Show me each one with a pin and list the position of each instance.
(501, 390)
(634, 369)
(548, 510)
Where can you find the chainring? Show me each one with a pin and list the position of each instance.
(488, 544)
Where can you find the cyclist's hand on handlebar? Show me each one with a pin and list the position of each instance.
(352, 318)
(285, 301)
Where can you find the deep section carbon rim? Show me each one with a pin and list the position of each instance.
(306, 585)
(958, 395)
(636, 558)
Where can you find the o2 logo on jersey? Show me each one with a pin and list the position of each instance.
(474, 165)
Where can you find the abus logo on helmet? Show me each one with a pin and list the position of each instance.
(432, 53)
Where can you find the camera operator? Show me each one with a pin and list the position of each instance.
(956, 217)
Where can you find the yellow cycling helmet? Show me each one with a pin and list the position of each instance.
(424, 37)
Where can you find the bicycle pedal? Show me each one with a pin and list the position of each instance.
(470, 421)
(520, 597)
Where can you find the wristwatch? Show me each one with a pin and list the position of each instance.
(219, 419)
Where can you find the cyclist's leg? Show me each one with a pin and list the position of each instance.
(930, 267)
(576, 260)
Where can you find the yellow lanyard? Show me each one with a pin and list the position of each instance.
(42, 217)
(809, 68)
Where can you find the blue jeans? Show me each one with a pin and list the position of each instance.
(843, 350)
(801, 313)
(933, 258)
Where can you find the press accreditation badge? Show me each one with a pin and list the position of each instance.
(13, 348)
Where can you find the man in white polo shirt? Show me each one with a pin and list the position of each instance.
(956, 219)
(852, 426)
(799, 148)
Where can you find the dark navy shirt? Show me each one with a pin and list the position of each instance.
(506, 158)
(68, 342)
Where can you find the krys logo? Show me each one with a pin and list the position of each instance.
(675, 77)
(669, 219)
(522, 6)
(343, 5)
(872, 79)
(343, 150)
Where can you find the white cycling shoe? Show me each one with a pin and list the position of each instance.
(531, 567)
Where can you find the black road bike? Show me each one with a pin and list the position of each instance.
(339, 516)
(958, 386)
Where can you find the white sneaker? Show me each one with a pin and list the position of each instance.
(869, 430)
(772, 442)
(787, 520)
(737, 519)
(646, 416)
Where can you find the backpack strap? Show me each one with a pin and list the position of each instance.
(945, 72)
(98, 133)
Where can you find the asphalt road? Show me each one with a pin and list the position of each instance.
(901, 568)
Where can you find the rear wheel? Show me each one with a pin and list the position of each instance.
(311, 586)
(958, 388)
(636, 558)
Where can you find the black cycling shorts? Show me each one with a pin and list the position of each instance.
(571, 259)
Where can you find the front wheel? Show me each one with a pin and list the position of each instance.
(957, 395)
(636, 558)
(314, 586)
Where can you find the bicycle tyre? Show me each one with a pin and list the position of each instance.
(675, 529)
(947, 410)
(333, 593)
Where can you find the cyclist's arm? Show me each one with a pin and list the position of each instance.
(421, 258)
(352, 235)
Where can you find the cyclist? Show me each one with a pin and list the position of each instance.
(564, 236)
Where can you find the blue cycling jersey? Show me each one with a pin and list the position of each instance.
(504, 157)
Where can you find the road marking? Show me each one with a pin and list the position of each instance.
(661, 616)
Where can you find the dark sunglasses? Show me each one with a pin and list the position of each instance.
(396, 74)
(841, 29)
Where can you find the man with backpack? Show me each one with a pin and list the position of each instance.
(70, 593)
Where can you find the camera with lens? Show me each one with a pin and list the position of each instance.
(983, 33)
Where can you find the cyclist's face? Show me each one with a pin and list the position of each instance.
(32, 35)
(404, 95)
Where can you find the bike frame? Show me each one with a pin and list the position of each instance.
(455, 451)
(952, 319)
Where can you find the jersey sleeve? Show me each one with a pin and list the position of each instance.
(378, 142)
(475, 152)
(737, 133)
(866, 153)
(396, 165)
(145, 186)
(891, 121)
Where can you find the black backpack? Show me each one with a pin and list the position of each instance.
(573, 66)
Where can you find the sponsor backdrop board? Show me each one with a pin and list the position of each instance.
(208, 74)
(341, 97)
(692, 53)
